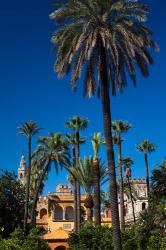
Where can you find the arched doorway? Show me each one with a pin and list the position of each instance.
(143, 206)
(58, 213)
(43, 214)
(69, 215)
(60, 248)
(126, 209)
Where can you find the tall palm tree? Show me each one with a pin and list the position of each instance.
(97, 141)
(107, 37)
(146, 147)
(127, 162)
(36, 171)
(51, 150)
(77, 123)
(119, 127)
(127, 190)
(84, 174)
(28, 129)
(71, 140)
(159, 180)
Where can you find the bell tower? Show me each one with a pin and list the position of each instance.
(22, 171)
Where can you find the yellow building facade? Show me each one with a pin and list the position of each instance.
(56, 210)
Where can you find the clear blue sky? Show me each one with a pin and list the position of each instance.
(30, 89)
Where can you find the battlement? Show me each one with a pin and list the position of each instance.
(63, 189)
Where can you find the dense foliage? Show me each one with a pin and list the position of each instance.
(91, 238)
(144, 235)
(12, 197)
(33, 241)
(159, 180)
(149, 233)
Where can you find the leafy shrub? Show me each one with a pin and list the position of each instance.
(129, 241)
(163, 244)
(91, 238)
(12, 197)
(17, 241)
(154, 243)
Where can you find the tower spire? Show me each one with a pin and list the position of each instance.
(22, 170)
(22, 162)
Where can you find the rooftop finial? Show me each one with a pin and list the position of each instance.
(22, 162)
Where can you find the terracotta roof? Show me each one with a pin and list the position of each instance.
(59, 234)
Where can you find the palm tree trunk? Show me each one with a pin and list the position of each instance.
(110, 153)
(27, 187)
(75, 206)
(131, 197)
(147, 172)
(89, 203)
(75, 192)
(35, 199)
(77, 152)
(121, 185)
(96, 198)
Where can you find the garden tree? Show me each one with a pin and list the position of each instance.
(160, 213)
(129, 239)
(36, 171)
(150, 225)
(52, 149)
(157, 200)
(71, 140)
(84, 174)
(110, 38)
(127, 162)
(18, 241)
(28, 129)
(91, 237)
(97, 141)
(146, 147)
(12, 196)
(159, 181)
(119, 127)
(77, 123)
(127, 190)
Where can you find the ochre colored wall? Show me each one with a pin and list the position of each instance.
(54, 225)
(50, 222)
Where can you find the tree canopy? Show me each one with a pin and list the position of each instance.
(12, 195)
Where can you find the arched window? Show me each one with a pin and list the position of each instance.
(69, 215)
(126, 209)
(107, 214)
(43, 213)
(21, 176)
(143, 206)
(58, 213)
(60, 248)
